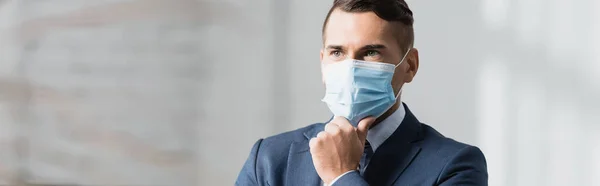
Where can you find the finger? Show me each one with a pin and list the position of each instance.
(321, 135)
(363, 128)
(312, 143)
(332, 128)
(343, 123)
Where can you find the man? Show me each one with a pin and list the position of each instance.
(373, 139)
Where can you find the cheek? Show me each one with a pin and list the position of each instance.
(398, 79)
(322, 76)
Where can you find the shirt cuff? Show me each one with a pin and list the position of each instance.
(337, 178)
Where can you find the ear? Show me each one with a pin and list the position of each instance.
(413, 65)
(321, 66)
(321, 55)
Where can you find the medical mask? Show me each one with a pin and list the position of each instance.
(357, 89)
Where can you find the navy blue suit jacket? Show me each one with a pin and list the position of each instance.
(415, 154)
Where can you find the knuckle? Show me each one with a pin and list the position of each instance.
(336, 131)
(350, 128)
(346, 129)
(322, 135)
(312, 143)
(329, 126)
(344, 123)
(332, 129)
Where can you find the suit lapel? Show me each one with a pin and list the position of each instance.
(300, 168)
(396, 153)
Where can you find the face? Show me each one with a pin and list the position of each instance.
(365, 36)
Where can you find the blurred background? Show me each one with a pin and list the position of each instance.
(175, 92)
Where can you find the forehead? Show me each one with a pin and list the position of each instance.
(358, 28)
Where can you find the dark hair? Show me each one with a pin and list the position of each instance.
(389, 10)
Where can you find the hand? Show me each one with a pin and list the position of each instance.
(338, 148)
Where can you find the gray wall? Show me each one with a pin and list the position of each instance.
(146, 92)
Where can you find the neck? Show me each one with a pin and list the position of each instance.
(388, 112)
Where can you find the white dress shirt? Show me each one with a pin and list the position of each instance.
(380, 132)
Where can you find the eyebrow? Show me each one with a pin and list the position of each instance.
(366, 47)
(371, 47)
(334, 47)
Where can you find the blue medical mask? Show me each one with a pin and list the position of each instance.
(357, 89)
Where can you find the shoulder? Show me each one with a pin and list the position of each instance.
(451, 155)
(287, 138)
(442, 145)
(269, 156)
(278, 146)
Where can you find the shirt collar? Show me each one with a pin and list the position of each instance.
(382, 131)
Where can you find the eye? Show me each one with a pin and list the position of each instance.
(372, 53)
(336, 54)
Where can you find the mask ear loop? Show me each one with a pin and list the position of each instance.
(406, 54)
(398, 95)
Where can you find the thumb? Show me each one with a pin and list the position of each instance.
(363, 128)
